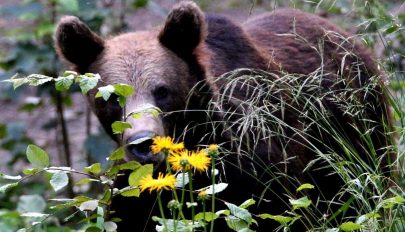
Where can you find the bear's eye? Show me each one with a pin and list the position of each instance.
(161, 93)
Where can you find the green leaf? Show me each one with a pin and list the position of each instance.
(81, 199)
(305, 186)
(123, 90)
(122, 101)
(85, 181)
(180, 182)
(236, 224)
(31, 203)
(139, 173)
(38, 79)
(145, 109)
(110, 226)
(216, 188)
(207, 216)
(34, 215)
(7, 187)
(30, 171)
(350, 226)
(117, 154)
(100, 217)
(391, 202)
(130, 192)
(90, 205)
(94, 168)
(8, 177)
(88, 82)
(63, 83)
(167, 225)
(130, 165)
(303, 202)
(16, 81)
(68, 72)
(247, 203)
(393, 28)
(225, 212)
(245, 230)
(112, 171)
(239, 212)
(37, 157)
(105, 200)
(283, 220)
(93, 229)
(332, 230)
(118, 127)
(59, 180)
(105, 92)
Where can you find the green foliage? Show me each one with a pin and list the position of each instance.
(37, 157)
(88, 82)
(94, 168)
(119, 127)
(59, 180)
(283, 220)
(118, 154)
(349, 226)
(139, 173)
(303, 202)
(305, 186)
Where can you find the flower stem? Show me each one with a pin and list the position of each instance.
(162, 213)
(203, 204)
(183, 191)
(169, 170)
(191, 197)
(213, 192)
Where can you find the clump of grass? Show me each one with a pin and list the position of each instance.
(295, 130)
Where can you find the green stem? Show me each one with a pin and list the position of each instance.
(183, 191)
(191, 197)
(162, 213)
(169, 171)
(213, 192)
(205, 226)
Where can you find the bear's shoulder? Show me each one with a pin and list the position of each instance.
(230, 47)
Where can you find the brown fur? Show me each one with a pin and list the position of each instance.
(175, 68)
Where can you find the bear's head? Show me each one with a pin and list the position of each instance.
(163, 65)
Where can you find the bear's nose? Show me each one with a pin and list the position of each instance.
(139, 146)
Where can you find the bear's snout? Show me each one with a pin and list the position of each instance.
(138, 147)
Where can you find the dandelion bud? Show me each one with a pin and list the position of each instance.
(213, 150)
(173, 204)
(202, 196)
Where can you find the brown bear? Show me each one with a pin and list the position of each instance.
(177, 67)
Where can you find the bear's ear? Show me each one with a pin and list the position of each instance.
(184, 29)
(76, 43)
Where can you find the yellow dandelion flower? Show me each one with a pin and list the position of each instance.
(162, 182)
(200, 160)
(186, 160)
(180, 161)
(165, 145)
